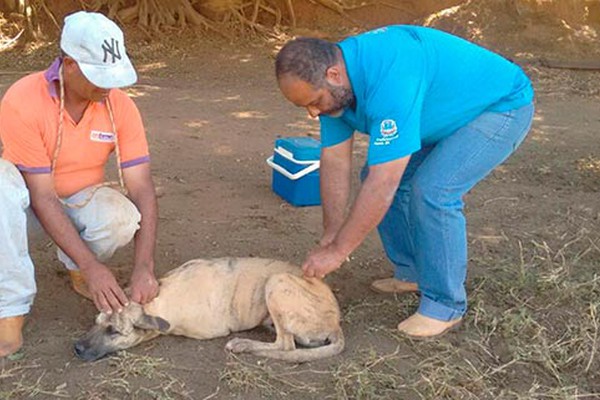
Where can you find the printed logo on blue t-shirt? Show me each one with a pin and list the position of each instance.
(388, 127)
(388, 130)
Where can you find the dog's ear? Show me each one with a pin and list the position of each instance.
(152, 323)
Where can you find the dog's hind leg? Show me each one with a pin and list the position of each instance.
(240, 345)
(284, 341)
(302, 310)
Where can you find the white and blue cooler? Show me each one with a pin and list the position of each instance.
(295, 164)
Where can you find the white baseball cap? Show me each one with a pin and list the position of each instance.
(97, 45)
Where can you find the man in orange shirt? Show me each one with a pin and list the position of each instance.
(58, 128)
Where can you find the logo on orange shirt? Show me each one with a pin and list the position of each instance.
(103, 137)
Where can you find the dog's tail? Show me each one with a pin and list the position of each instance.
(335, 347)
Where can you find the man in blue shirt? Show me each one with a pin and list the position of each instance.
(441, 114)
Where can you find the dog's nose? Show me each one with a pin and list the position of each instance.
(79, 349)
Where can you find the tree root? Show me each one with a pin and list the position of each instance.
(49, 14)
(339, 8)
(290, 9)
(153, 15)
(156, 15)
(9, 43)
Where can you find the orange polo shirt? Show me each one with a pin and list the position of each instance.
(29, 129)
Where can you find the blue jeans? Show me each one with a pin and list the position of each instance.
(424, 231)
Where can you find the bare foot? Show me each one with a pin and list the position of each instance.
(11, 335)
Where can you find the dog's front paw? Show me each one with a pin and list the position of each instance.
(237, 345)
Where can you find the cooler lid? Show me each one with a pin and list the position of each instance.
(302, 148)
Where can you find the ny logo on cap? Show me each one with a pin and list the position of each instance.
(111, 49)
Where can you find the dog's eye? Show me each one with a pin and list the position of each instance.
(110, 330)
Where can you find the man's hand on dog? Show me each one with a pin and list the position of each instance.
(106, 292)
(323, 260)
(144, 286)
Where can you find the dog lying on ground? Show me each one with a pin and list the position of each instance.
(206, 299)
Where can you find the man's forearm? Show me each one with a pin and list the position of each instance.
(335, 190)
(145, 238)
(336, 166)
(371, 204)
(59, 227)
(368, 210)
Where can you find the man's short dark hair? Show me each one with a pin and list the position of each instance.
(307, 59)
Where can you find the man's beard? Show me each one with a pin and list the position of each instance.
(342, 99)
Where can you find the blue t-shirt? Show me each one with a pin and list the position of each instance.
(415, 86)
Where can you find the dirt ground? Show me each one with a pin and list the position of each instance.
(212, 112)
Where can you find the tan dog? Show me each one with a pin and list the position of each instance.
(205, 299)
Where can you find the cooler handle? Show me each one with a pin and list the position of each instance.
(313, 167)
(288, 155)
